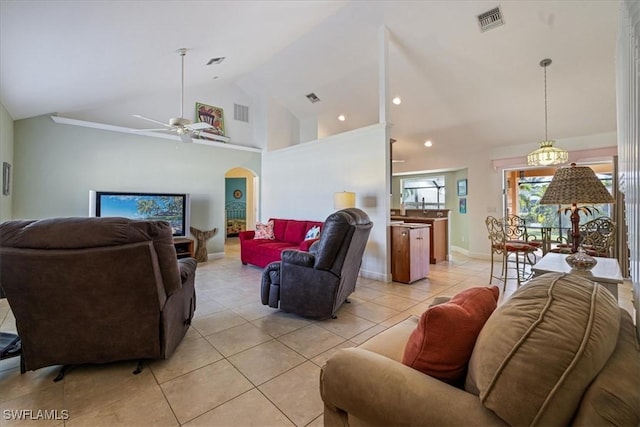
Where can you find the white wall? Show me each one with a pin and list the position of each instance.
(299, 182)
(57, 164)
(6, 155)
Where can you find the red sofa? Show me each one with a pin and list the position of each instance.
(288, 234)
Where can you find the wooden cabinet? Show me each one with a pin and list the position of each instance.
(184, 247)
(438, 238)
(409, 252)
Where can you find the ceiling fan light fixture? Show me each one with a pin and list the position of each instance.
(547, 154)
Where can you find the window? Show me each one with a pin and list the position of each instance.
(423, 193)
(525, 196)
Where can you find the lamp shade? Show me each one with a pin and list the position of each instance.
(573, 185)
(547, 155)
(344, 200)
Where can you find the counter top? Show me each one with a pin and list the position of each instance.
(410, 224)
(416, 218)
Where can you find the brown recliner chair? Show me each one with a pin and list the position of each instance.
(95, 290)
(316, 283)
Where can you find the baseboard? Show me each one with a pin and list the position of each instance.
(386, 278)
(215, 255)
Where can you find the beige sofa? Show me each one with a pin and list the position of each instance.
(558, 352)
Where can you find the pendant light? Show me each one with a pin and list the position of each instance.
(547, 154)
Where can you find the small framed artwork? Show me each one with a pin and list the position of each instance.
(462, 205)
(6, 178)
(211, 115)
(462, 187)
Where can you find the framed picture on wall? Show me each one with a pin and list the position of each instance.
(463, 205)
(462, 187)
(212, 115)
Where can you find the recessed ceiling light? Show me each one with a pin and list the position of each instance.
(342, 118)
(397, 100)
(428, 143)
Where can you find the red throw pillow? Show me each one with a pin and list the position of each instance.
(442, 343)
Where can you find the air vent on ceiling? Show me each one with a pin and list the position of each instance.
(313, 98)
(241, 113)
(490, 19)
(216, 60)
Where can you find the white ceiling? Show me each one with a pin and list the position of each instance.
(459, 86)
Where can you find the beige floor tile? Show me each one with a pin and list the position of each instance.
(220, 321)
(280, 323)
(253, 311)
(199, 391)
(362, 337)
(13, 384)
(91, 387)
(318, 422)
(147, 407)
(371, 311)
(396, 302)
(237, 339)
(248, 409)
(189, 356)
(346, 325)
(12, 412)
(311, 340)
(296, 393)
(265, 361)
(322, 358)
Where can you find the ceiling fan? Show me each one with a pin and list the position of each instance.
(185, 128)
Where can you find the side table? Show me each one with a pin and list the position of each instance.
(606, 272)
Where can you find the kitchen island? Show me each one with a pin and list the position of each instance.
(439, 236)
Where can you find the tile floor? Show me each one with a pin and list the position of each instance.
(241, 363)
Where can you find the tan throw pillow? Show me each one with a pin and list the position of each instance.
(264, 231)
(442, 343)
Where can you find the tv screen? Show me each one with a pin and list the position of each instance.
(171, 207)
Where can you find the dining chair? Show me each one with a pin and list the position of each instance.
(597, 238)
(516, 230)
(502, 246)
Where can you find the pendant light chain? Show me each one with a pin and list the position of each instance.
(546, 136)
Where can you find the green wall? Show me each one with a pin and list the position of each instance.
(56, 165)
(459, 224)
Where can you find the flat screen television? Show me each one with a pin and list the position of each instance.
(171, 207)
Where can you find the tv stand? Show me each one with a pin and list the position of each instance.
(184, 247)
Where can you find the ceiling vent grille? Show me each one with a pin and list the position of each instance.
(490, 19)
(241, 113)
(313, 98)
(217, 60)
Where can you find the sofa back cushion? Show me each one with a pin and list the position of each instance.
(443, 340)
(540, 350)
(291, 230)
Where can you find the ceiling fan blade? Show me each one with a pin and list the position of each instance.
(149, 130)
(199, 126)
(152, 120)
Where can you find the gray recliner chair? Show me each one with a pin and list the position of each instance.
(316, 283)
(95, 290)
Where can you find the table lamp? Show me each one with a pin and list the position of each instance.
(344, 200)
(572, 186)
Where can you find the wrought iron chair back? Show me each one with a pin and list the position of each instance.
(598, 237)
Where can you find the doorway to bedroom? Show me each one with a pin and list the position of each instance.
(241, 203)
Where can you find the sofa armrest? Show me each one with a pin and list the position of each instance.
(304, 259)
(381, 391)
(246, 235)
(187, 268)
(306, 244)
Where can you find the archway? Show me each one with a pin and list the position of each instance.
(241, 200)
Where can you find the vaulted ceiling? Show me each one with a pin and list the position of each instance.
(459, 86)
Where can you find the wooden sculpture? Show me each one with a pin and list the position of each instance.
(201, 238)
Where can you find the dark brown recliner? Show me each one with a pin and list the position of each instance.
(316, 283)
(95, 290)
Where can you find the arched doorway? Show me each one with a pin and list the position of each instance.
(241, 201)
